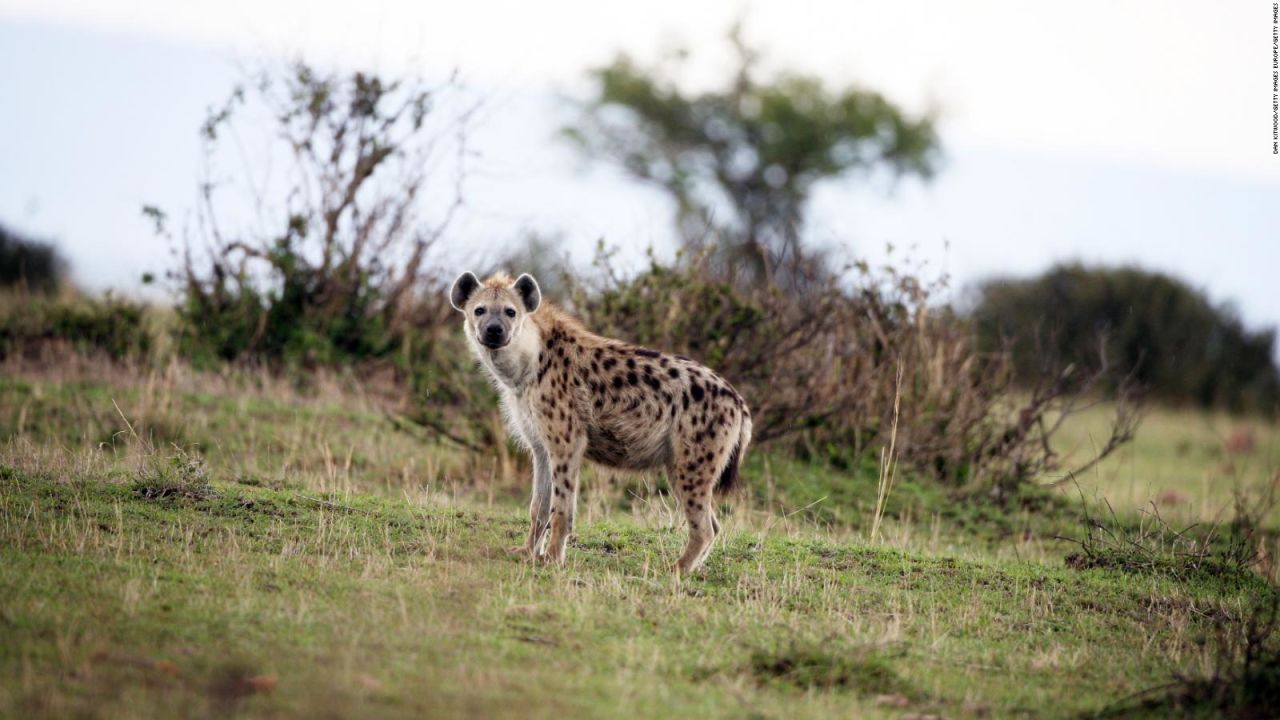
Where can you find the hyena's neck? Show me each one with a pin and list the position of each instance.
(516, 365)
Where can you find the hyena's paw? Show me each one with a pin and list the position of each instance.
(554, 555)
(550, 559)
(523, 552)
(685, 569)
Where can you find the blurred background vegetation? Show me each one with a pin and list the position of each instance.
(840, 360)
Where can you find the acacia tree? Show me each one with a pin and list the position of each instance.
(741, 162)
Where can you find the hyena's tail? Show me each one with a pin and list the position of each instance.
(729, 476)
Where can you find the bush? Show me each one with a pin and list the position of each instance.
(334, 277)
(845, 367)
(29, 265)
(114, 326)
(1178, 344)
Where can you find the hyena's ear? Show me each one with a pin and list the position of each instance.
(529, 292)
(463, 288)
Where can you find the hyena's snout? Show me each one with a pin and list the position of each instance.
(494, 333)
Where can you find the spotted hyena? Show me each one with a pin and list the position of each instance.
(570, 394)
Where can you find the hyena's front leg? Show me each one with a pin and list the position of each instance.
(566, 461)
(539, 506)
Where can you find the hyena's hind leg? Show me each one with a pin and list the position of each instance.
(693, 479)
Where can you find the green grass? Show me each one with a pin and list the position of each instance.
(285, 552)
(1184, 461)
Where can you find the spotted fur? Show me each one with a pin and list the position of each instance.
(571, 395)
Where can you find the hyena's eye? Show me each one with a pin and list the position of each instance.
(479, 311)
(511, 312)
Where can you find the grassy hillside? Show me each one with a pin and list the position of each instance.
(182, 544)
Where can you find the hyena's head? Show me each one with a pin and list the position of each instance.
(495, 310)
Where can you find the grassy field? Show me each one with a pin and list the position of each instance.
(179, 544)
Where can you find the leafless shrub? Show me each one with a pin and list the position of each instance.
(331, 268)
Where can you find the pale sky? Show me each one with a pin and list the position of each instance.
(1114, 131)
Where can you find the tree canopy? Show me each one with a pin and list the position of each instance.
(741, 162)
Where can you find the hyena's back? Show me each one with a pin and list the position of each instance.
(645, 409)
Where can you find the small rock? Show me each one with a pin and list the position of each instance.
(893, 700)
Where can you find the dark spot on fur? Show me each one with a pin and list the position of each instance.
(673, 372)
(617, 381)
(631, 378)
(696, 389)
(652, 382)
(685, 396)
(631, 363)
(642, 352)
(609, 363)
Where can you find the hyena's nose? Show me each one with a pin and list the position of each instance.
(494, 334)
